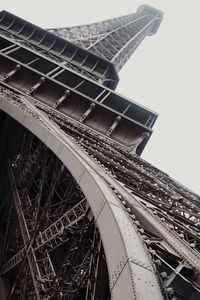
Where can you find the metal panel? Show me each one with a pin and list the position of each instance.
(32, 125)
(124, 287)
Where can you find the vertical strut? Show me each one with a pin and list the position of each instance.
(40, 266)
(24, 231)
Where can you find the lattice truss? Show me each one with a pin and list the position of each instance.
(114, 39)
(51, 245)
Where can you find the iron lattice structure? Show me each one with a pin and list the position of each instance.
(114, 39)
(83, 216)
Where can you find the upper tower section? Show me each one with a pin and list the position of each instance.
(154, 12)
(74, 72)
(116, 39)
(98, 50)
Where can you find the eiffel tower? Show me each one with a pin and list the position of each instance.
(83, 216)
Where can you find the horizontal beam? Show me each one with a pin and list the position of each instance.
(62, 67)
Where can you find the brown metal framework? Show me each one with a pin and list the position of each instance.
(51, 245)
(82, 215)
(166, 216)
(73, 95)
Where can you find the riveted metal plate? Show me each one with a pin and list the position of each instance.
(124, 286)
(144, 282)
(75, 166)
(55, 145)
(113, 241)
(33, 126)
(11, 110)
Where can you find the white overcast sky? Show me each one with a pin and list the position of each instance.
(163, 73)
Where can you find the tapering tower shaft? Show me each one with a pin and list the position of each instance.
(115, 39)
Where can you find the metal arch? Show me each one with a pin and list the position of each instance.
(130, 268)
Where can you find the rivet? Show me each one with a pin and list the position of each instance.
(170, 291)
(148, 242)
(163, 275)
(158, 262)
(153, 252)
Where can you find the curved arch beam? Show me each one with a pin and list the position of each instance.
(131, 273)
